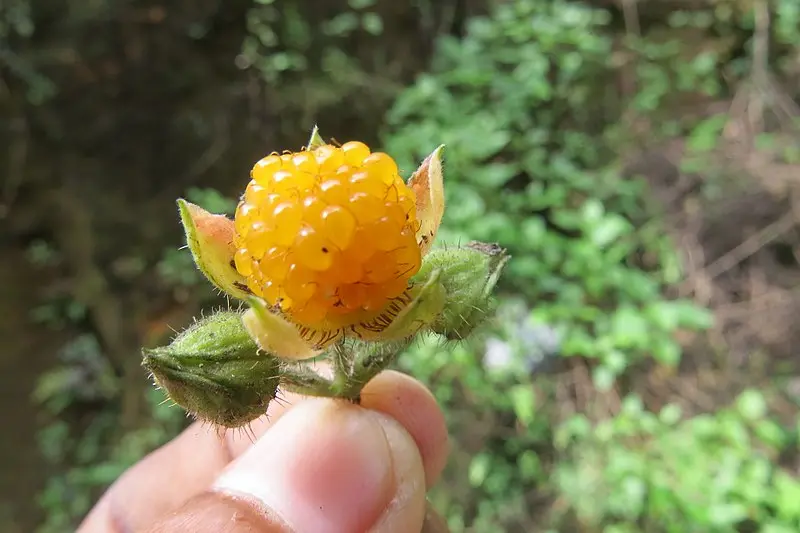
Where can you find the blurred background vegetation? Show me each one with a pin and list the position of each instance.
(639, 159)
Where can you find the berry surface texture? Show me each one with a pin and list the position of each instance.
(327, 232)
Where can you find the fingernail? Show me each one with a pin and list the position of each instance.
(325, 466)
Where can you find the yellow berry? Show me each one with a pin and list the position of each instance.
(264, 169)
(380, 268)
(338, 225)
(353, 295)
(365, 208)
(312, 250)
(345, 269)
(409, 206)
(390, 231)
(327, 233)
(291, 179)
(364, 182)
(311, 313)
(382, 165)
(312, 208)
(408, 257)
(243, 262)
(393, 288)
(364, 244)
(335, 191)
(286, 219)
(392, 194)
(255, 194)
(257, 239)
(274, 266)
(306, 162)
(270, 291)
(245, 214)
(329, 158)
(299, 284)
(256, 285)
(355, 152)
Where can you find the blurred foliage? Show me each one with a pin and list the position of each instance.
(91, 456)
(534, 137)
(532, 170)
(341, 59)
(538, 102)
(654, 472)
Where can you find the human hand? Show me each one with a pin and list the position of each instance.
(317, 466)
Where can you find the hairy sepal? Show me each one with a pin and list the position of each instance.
(210, 239)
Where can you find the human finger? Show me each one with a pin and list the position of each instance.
(326, 466)
(199, 454)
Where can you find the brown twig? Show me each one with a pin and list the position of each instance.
(751, 245)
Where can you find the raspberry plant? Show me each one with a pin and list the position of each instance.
(331, 249)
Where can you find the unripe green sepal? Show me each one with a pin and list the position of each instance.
(468, 275)
(215, 371)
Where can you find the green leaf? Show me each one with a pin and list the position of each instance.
(523, 401)
(705, 135)
(673, 314)
(610, 228)
(751, 405)
(666, 351)
(495, 175)
(577, 427)
(603, 378)
(727, 514)
(479, 469)
(372, 23)
(488, 144)
(530, 467)
(670, 414)
(592, 212)
(787, 496)
(616, 361)
(629, 328)
(777, 527)
(771, 433)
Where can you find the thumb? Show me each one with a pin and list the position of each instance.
(324, 467)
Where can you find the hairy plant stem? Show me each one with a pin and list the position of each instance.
(304, 380)
(353, 368)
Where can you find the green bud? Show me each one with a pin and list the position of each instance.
(215, 371)
(468, 275)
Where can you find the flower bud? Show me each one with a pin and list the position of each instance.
(468, 275)
(215, 371)
(210, 239)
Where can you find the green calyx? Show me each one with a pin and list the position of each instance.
(467, 276)
(215, 372)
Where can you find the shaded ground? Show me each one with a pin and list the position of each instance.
(736, 221)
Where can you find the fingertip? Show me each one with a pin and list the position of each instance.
(330, 466)
(409, 402)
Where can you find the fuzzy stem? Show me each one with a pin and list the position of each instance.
(342, 368)
(369, 363)
(303, 380)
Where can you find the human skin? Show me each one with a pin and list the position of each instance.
(315, 465)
